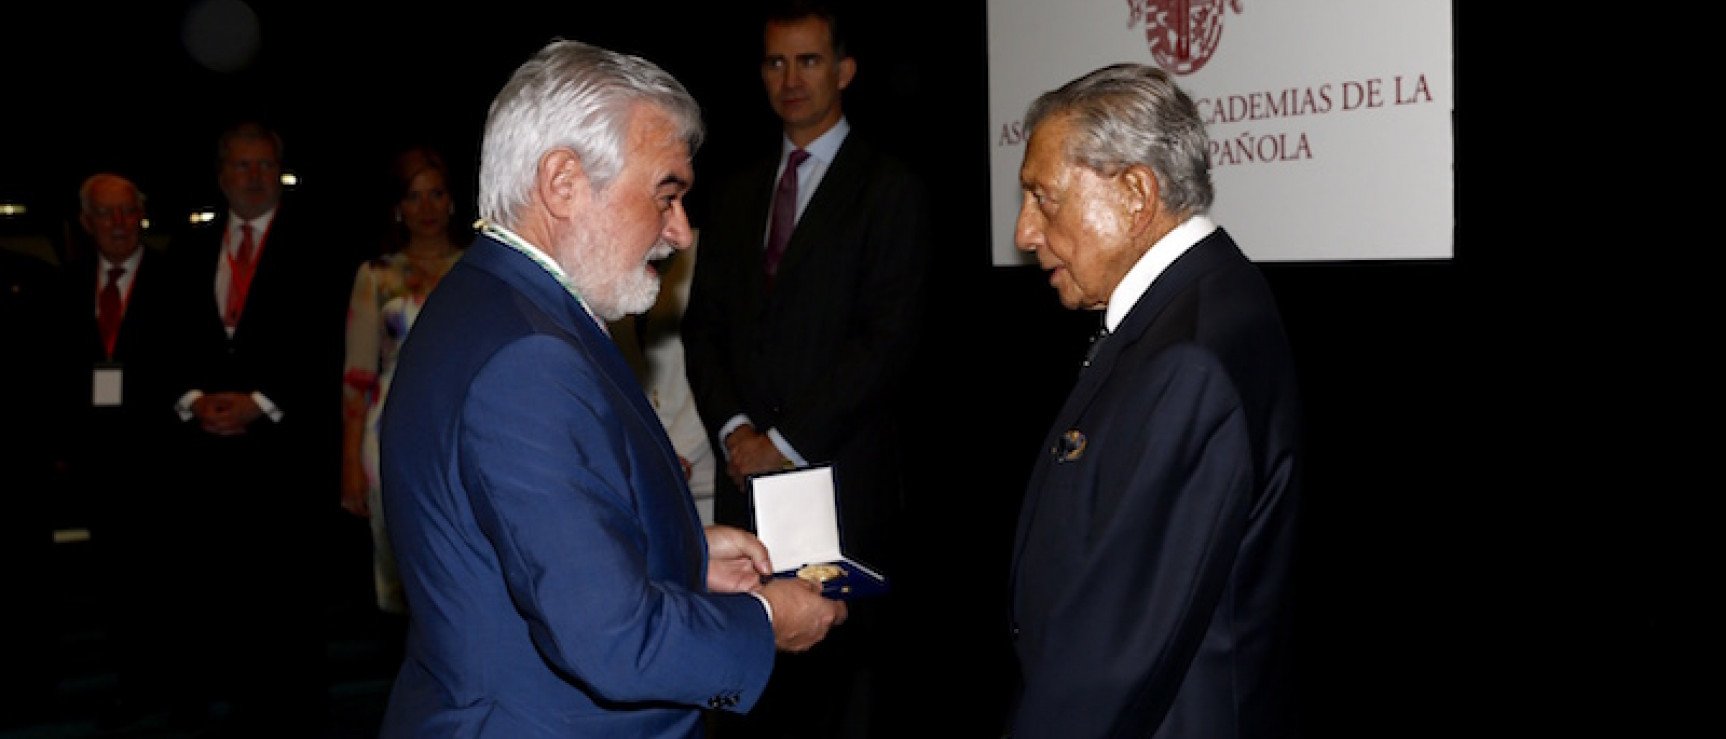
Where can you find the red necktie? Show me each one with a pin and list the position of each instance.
(240, 276)
(784, 213)
(108, 310)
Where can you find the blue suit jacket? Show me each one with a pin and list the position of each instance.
(551, 552)
(1152, 586)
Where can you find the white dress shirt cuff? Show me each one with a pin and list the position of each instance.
(786, 449)
(184, 405)
(267, 407)
(724, 431)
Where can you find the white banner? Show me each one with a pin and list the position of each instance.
(1330, 120)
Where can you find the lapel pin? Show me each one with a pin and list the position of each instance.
(1070, 446)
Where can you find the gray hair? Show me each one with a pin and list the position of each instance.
(88, 189)
(1127, 114)
(576, 96)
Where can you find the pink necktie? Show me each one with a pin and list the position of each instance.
(108, 309)
(784, 213)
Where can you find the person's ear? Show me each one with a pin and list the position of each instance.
(847, 70)
(1139, 189)
(561, 182)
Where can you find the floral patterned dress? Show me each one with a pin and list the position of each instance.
(387, 296)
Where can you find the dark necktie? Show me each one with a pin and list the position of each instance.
(108, 310)
(240, 276)
(784, 213)
(1097, 340)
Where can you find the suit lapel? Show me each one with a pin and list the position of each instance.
(544, 291)
(760, 183)
(1201, 259)
(266, 276)
(88, 276)
(1072, 410)
(138, 299)
(840, 187)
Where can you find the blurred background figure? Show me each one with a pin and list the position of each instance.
(423, 242)
(28, 299)
(259, 395)
(116, 340)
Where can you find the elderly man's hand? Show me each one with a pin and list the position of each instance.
(736, 560)
(226, 414)
(801, 616)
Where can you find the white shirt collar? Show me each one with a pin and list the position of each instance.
(130, 263)
(824, 147)
(1151, 264)
(260, 226)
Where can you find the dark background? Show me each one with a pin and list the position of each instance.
(1478, 557)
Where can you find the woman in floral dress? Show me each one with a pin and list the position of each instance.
(388, 292)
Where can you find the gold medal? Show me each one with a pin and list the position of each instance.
(820, 573)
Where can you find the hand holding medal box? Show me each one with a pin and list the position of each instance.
(797, 518)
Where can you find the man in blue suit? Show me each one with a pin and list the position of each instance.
(1152, 570)
(559, 580)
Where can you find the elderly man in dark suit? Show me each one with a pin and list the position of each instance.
(118, 334)
(1152, 570)
(264, 296)
(803, 318)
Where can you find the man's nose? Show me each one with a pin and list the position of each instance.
(677, 230)
(1025, 236)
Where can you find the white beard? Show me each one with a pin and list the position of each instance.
(615, 293)
(636, 292)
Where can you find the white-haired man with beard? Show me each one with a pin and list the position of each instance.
(559, 580)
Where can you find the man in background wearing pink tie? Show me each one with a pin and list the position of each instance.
(804, 315)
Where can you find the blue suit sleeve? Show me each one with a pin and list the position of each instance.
(558, 490)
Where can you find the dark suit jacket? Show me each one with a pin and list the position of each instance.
(826, 356)
(554, 563)
(1151, 577)
(288, 346)
(115, 452)
(267, 500)
(29, 298)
